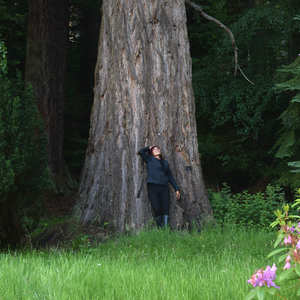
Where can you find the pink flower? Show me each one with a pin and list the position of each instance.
(298, 245)
(263, 277)
(270, 275)
(287, 240)
(253, 280)
(287, 263)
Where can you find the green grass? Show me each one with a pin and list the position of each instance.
(151, 265)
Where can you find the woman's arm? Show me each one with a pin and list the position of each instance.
(143, 154)
(173, 182)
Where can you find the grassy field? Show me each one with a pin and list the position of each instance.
(151, 265)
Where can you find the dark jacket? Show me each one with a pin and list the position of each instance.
(158, 170)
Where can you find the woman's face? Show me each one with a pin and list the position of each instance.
(156, 151)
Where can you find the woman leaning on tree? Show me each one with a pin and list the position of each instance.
(159, 175)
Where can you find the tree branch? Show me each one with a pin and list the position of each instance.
(244, 75)
(206, 16)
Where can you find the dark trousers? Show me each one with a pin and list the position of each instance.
(159, 196)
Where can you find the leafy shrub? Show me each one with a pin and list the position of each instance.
(244, 209)
(288, 143)
(23, 157)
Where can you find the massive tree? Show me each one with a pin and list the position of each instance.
(142, 96)
(47, 36)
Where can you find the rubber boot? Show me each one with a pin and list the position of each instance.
(166, 220)
(159, 221)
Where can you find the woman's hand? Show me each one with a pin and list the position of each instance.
(177, 195)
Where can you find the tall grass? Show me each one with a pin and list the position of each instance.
(151, 265)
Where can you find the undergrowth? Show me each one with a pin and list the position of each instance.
(245, 209)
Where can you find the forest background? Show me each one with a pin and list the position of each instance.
(247, 133)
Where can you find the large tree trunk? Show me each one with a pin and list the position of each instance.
(143, 96)
(47, 37)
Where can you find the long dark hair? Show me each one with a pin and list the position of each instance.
(150, 152)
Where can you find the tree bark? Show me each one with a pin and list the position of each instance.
(143, 96)
(47, 36)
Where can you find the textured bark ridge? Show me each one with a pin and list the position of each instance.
(143, 96)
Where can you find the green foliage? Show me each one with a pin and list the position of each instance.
(23, 157)
(13, 27)
(3, 60)
(296, 165)
(244, 209)
(81, 242)
(288, 143)
(288, 238)
(236, 120)
(287, 176)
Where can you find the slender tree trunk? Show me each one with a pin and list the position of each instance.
(47, 37)
(143, 96)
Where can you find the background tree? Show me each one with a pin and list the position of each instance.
(47, 36)
(143, 96)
